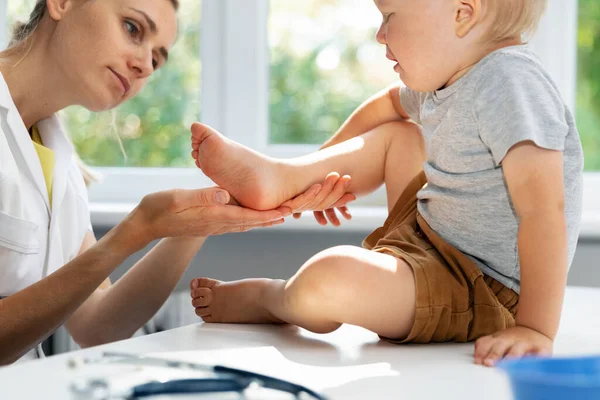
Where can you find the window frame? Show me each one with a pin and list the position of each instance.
(235, 87)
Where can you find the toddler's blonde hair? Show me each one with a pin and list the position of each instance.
(512, 18)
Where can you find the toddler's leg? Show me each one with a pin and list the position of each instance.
(392, 153)
(343, 284)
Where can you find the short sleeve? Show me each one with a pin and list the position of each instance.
(411, 102)
(516, 101)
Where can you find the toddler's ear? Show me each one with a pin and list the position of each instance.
(467, 15)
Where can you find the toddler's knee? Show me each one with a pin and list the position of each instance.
(328, 265)
(402, 126)
(405, 136)
(320, 279)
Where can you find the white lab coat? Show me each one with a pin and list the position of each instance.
(36, 239)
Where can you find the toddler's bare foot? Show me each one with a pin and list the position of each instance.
(233, 302)
(254, 180)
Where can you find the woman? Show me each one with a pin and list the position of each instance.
(52, 271)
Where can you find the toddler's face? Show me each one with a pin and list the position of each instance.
(420, 35)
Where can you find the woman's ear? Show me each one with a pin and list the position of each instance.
(58, 8)
(468, 13)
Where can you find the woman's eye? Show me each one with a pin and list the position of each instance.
(132, 29)
(154, 63)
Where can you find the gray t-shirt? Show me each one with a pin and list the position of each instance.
(468, 128)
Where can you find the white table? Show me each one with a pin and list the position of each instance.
(350, 363)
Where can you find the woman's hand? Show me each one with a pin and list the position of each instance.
(202, 212)
(323, 199)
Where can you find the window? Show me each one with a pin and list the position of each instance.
(588, 81)
(280, 76)
(325, 61)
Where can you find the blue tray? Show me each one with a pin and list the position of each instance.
(534, 378)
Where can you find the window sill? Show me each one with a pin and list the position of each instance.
(364, 219)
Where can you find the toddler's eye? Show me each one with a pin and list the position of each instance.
(386, 18)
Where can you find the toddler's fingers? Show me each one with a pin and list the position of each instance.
(519, 350)
(482, 348)
(497, 352)
(345, 212)
(332, 217)
(541, 351)
(320, 217)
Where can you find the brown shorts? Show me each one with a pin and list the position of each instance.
(455, 302)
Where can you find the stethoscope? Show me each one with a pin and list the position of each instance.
(226, 380)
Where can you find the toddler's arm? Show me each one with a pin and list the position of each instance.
(379, 109)
(535, 181)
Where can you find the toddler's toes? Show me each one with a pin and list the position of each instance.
(202, 297)
(203, 312)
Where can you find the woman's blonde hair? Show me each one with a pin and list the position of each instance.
(22, 31)
(512, 18)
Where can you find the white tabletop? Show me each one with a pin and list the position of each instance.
(350, 363)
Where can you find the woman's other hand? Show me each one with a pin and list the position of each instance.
(202, 212)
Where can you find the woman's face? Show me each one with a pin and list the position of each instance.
(107, 49)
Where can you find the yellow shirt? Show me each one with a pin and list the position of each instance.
(47, 160)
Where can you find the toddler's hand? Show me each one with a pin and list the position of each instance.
(514, 342)
(324, 198)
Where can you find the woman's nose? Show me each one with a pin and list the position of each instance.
(141, 64)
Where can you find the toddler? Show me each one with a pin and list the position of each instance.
(482, 164)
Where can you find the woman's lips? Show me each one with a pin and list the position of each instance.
(123, 81)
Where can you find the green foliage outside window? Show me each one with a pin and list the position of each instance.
(588, 82)
(325, 61)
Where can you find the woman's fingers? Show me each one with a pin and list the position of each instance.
(298, 203)
(322, 200)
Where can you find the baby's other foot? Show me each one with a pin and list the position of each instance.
(232, 302)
